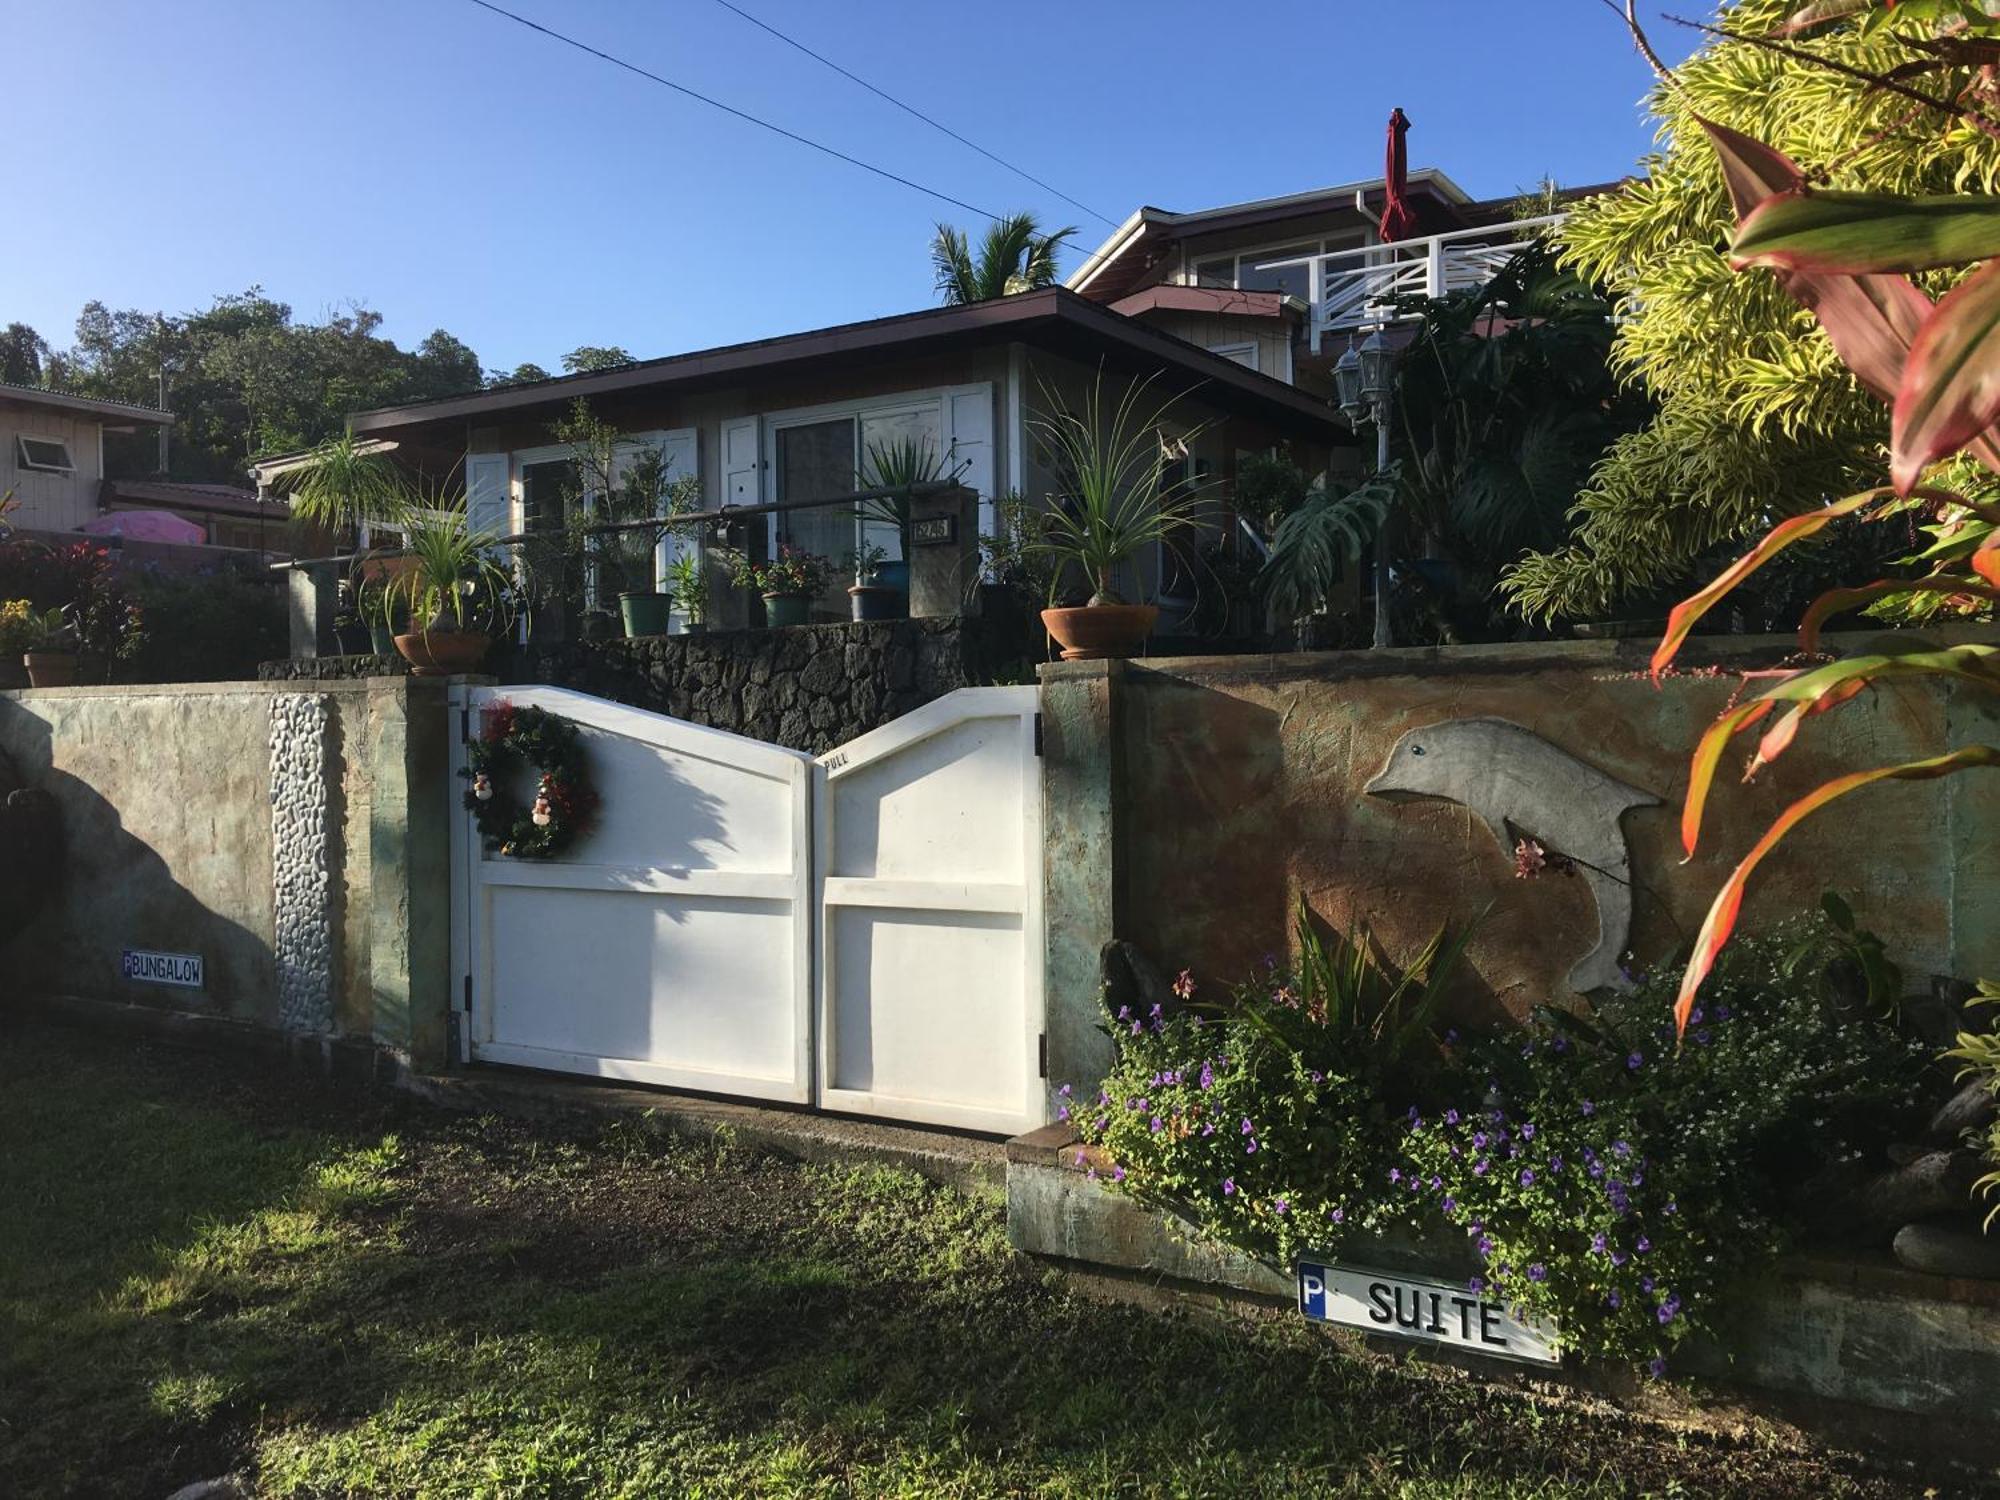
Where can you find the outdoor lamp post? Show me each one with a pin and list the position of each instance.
(1364, 381)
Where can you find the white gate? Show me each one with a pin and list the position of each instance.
(672, 946)
(929, 868)
(730, 883)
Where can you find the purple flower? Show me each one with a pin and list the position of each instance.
(1555, 1163)
(1317, 1076)
(1485, 1244)
(1527, 1132)
(1589, 1108)
(1124, 1012)
(1062, 1112)
(1597, 1243)
(1635, 1062)
(1208, 1128)
(1154, 1125)
(1247, 1126)
(1643, 1245)
(1646, 1284)
(1280, 1205)
(1479, 1140)
(1658, 1368)
(1102, 1121)
(1451, 1117)
(1560, 1044)
(1207, 1079)
(1091, 1175)
(1721, 1012)
(1527, 1177)
(1336, 1214)
(1395, 1174)
(1597, 1169)
(1702, 1037)
(1198, 1022)
(1621, 1148)
(1669, 1309)
(1671, 1208)
(1064, 1091)
(1613, 1299)
(1476, 1285)
(1117, 1174)
(1538, 1272)
(1079, 1158)
(1251, 1149)
(1229, 1187)
(1451, 1205)
(1481, 1167)
(1619, 1257)
(1138, 1027)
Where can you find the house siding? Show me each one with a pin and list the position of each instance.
(50, 502)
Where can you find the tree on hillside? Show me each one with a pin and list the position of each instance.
(243, 377)
(22, 351)
(1014, 256)
(587, 357)
(1757, 418)
(521, 374)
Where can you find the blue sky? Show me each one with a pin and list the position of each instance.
(451, 169)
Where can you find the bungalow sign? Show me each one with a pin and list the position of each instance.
(1432, 1312)
(182, 970)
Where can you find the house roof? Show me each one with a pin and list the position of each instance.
(107, 411)
(1149, 226)
(162, 494)
(1216, 301)
(1053, 318)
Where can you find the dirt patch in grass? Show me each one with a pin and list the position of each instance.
(352, 1295)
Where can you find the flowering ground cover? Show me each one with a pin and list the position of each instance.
(208, 1269)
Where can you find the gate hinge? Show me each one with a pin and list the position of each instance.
(1038, 734)
(1042, 1049)
(465, 727)
(468, 992)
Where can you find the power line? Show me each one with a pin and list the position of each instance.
(730, 109)
(910, 109)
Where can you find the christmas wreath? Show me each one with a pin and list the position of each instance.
(564, 801)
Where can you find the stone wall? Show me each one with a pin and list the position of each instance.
(244, 823)
(331, 668)
(1390, 789)
(807, 687)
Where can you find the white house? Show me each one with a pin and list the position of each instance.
(52, 453)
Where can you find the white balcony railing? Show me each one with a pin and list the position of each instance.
(1355, 289)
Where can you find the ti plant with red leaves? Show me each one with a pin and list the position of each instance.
(1848, 258)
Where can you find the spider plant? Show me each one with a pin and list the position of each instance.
(455, 579)
(1118, 497)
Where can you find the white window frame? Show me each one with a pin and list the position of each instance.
(1330, 244)
(930, 397)
(21, 441)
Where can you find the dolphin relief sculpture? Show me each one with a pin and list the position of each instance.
(1521, 786)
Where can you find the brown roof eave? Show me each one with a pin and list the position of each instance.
(1053, 317)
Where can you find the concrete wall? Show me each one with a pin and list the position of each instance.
(267, 830)
(1236, 785)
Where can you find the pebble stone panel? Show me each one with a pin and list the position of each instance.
(301, 886)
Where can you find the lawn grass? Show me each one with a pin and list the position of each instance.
(204, 1271)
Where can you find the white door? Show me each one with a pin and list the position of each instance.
(929, 867)
(672, 944)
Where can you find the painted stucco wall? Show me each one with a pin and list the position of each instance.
(1241, 784)
(237, 821)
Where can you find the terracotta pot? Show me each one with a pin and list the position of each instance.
(1093, 632)
(443, 653)
(50, 668)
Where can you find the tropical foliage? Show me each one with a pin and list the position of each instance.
(1014, 255)
(1758, 417)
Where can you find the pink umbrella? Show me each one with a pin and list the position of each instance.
(147, 526)
(1398, 218)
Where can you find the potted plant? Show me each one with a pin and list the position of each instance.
(376, 605)
(891, 471)
(789, 583)
(869, 596)
(453, 588)
(1120, 497)
(687, 585)
(50, 650)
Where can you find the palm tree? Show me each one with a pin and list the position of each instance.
(1015, 256)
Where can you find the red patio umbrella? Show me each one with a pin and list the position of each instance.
(1398, 221)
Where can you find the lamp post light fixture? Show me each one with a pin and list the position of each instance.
(1364, 382)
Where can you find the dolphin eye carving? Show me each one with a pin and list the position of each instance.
(1416, 749)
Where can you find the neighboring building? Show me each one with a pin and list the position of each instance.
(792, 418)
(1279, 284)
(232, 517)
(52, 453)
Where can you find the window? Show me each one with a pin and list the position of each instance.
(1242, 354)
(49, 455)
(1240, 270)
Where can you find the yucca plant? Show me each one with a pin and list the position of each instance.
(1118, 497)
(898, 467)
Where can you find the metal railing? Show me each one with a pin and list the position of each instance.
(1356, 289)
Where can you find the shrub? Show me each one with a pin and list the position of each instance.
(1603, 1178)
(212, 626)
(81, 579)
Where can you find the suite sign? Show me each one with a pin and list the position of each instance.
(1432, 1312)
(179, 969)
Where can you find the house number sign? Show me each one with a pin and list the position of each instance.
(1431, 1312)
(181, 969)
(934, 531)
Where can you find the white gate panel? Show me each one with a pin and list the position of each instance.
(672, 945)
(930, 898)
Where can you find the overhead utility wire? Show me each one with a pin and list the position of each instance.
(910, 109)
(730, 109)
